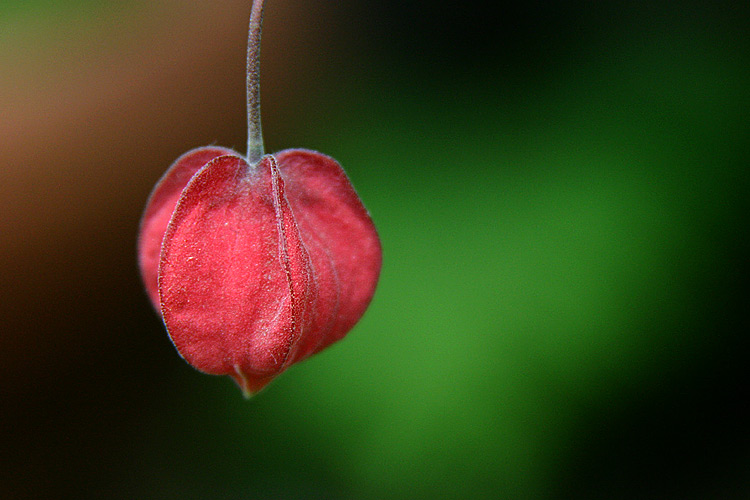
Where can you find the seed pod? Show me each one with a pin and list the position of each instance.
(256, 263)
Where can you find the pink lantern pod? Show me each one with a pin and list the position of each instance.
(256, 262)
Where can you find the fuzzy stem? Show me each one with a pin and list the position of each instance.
(254, 132)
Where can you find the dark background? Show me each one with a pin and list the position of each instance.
(561, 189)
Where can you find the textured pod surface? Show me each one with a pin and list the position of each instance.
(159, 209)
(262, 266)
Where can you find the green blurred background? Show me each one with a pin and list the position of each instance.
(561, 189)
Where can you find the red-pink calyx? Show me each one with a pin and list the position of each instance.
(256, 264)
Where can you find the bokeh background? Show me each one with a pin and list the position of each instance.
(561, 189)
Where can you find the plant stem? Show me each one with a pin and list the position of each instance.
(254, 132)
